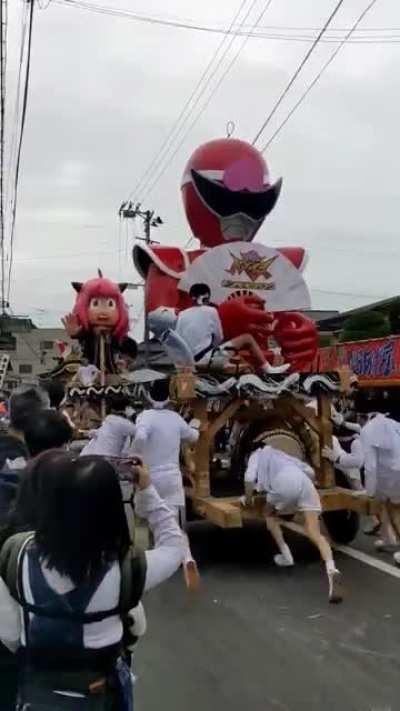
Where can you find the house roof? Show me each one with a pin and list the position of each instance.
(335, 323)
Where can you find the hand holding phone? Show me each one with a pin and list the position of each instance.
(141, 475)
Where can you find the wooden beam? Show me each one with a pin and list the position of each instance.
(339, 499)
(223, 418)
(219, 511)
(201, 451)
(326, 477)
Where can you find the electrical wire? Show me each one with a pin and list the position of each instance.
(319, 75)
(297, 72)
(270, 32)
(194, 97)
(19, 146)
(210, 97)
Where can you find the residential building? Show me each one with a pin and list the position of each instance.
(32, 350)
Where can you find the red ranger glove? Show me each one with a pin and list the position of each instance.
(297, 336)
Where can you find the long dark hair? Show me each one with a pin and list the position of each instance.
(80, 521)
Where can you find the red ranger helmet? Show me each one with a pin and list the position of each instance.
(227, 192)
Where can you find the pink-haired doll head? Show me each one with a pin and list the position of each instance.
(100, 307)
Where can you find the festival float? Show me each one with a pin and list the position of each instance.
(259, 291)
(260, 295)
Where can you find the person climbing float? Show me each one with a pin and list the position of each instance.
(201, 328)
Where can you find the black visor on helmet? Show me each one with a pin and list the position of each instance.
(224, 202)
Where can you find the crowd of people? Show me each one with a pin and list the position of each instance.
(71, 582)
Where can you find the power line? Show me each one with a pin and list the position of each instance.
(20, 140)
(319, 75)
(3, 63)
(297, 72)
(211, 95)
(272, 30)
(181, 119)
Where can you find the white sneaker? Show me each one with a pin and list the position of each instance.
(282, 561)
(396, 558)
(335, 587)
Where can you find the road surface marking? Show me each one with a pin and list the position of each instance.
(369, 560)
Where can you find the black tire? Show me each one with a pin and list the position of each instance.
(342, 526)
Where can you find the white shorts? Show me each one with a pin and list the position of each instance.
(306, 499)
(218, 357)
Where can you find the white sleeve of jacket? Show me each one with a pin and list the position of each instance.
(141, 434)
(188, 433)
(10, 619)
(218, 333)
(169, 542)
(251, 473)
(353, 459)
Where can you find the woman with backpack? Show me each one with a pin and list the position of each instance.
(75, 580)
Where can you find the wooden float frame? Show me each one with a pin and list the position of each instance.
(227, 512)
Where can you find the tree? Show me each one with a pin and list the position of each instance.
(325, 340)
(361, 327)
(394, 317)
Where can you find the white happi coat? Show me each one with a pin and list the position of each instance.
(286, 480)
(110, 439)
(159, 434)
(200, 327)
(380, 439)
(351, 462)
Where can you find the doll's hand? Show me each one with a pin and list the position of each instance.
(71, 325)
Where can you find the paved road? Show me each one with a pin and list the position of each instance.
(261, 639)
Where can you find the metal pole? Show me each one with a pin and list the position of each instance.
(147, 223)
(3, 26)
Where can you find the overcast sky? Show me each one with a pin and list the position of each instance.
(104, 93)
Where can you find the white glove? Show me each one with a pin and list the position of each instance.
(328, 453)
(138, 625)
(195, 424)
(337, 418)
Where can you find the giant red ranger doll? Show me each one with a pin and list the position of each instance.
(227, 194)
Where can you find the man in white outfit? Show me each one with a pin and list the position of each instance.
(200, 328)
(288, 487)
(111, 438)
(380, 439)
(159, 435)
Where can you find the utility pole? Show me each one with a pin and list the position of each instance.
(129, 211)
(3, 60)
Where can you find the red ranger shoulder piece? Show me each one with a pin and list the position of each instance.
(174, 261)
(296, 255)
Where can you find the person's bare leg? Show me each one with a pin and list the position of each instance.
(190, 569)
(249, 342)
(389, 537)
(284, 557)
(395, 516)
(313, 531)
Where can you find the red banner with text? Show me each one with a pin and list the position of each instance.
(378, 359)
